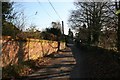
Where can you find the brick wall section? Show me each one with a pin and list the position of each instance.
(18, 51)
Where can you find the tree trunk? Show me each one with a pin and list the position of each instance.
(58, 41)
(118, 30)
(118, 33)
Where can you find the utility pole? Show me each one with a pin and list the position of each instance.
(62, 27)
(63, 35)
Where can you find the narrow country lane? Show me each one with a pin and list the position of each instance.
(74, 63)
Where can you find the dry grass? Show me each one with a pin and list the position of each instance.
(25, 68)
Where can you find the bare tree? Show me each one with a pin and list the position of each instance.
(95, 15)
(18, 17)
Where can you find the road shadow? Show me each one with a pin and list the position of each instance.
(65, 50)
(61, 66)
(93, 64)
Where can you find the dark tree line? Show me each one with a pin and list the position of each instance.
(8, 28)
(93, 19)
(12, 20)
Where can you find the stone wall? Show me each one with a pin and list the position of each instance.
(14, 51)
